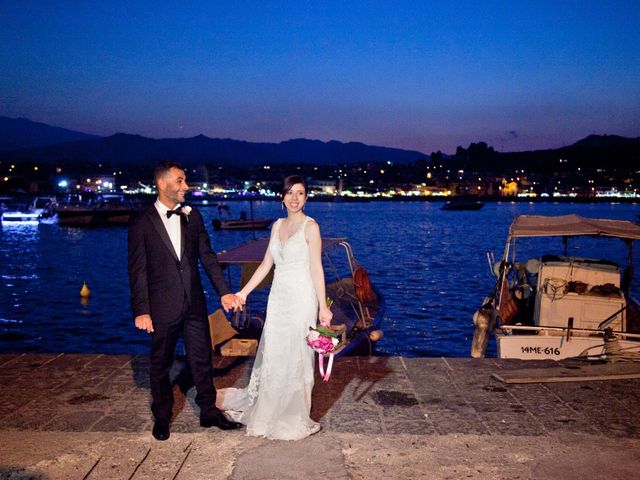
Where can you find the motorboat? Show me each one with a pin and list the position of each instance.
(557, 306)
(27, 211)
(462, 204)
(357, 307)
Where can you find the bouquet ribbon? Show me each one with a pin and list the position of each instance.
(323, 375)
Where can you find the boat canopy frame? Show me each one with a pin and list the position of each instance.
(565, 226)
(571, 226)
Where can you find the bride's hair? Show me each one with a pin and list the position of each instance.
(290, 181)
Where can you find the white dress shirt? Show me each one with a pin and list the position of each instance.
(171, 224)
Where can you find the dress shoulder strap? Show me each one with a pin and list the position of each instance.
(275, 229)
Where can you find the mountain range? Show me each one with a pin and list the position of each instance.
(24, 140)
(21, 139)
(18, 133)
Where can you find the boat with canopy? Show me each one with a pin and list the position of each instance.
(556, 306)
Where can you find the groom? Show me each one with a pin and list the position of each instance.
(165, 243)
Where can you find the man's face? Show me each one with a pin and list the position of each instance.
(172, 186)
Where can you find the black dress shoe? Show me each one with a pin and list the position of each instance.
(219, 420)
(160, 430)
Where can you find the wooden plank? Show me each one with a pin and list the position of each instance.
(586, 373)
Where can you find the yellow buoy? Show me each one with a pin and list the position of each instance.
(84, 291)
(376, 335)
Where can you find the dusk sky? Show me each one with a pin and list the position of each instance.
(418, 75)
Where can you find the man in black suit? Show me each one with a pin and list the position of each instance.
(165, 242)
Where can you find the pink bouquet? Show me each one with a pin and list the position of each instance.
(322, 340)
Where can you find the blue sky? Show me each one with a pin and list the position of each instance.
(418, 75)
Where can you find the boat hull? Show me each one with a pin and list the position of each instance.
(73, 217)
(23, 218)
(457, 206)
(554, 347)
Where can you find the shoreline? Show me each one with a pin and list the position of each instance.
(486, 199)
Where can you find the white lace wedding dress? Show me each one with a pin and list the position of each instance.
(277, 402)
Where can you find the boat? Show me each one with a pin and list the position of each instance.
(101, 210)
(27, 211)
(242, 223)
(555, 306)
(358, 308)
(462, 204)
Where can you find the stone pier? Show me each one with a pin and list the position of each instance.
(72, 416)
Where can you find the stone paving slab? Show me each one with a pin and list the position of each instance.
(365, 395)
(383, 412)
(216, 455)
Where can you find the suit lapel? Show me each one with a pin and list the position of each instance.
(156, 221)
(183, 236)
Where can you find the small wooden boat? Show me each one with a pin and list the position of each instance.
(241, 224)
(357, 310)
(559, 306)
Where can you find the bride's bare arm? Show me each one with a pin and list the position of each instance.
(312, 234)
(261, 272)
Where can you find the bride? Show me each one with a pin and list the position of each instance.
(277, 402)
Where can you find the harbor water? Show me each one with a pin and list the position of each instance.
(429, 264)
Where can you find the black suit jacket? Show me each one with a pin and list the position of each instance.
(159, 281)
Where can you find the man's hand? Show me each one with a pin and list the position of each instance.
(231, 302)
(143, 322)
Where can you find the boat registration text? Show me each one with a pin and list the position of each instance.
(540, 350)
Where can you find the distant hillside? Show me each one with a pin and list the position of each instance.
(606, 141)
(18, 133)
(594, 151)
(124, 149)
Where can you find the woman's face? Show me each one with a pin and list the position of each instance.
(295, 198)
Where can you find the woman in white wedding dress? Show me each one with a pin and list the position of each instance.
(277, 402)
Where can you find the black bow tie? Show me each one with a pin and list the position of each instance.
(177, 211)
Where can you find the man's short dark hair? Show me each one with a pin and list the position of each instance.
(163, 168)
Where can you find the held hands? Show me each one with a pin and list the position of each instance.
(143, 322)
(231, 301)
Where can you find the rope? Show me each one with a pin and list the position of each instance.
(348, 297)
(613, 352)
(554, 285)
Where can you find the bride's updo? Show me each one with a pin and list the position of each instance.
(290, 181)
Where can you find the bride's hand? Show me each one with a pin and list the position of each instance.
(325, 316)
